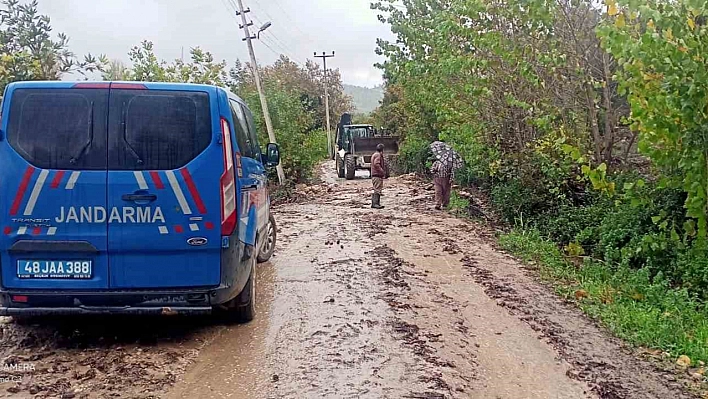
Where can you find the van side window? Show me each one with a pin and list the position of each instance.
(252, 131)
(241, 128)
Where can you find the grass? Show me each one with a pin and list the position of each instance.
(459, 205)
(642, 311)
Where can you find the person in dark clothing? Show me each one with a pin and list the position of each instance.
(378, 174)
(442, 178)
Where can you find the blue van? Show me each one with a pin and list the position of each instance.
(135, 198)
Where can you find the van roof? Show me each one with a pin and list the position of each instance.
(149, 85)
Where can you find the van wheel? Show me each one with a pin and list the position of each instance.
(349, 167)
(268, 245)
(242, 309)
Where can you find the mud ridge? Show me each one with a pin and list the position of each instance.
(392, 271)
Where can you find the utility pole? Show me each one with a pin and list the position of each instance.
(257, 78)
(330, 145)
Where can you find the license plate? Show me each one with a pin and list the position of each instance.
(55, 269)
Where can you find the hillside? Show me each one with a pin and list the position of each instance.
(365, 99)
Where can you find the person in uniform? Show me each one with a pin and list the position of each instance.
(378, 174)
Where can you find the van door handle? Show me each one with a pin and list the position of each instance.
(140, 197)
(251, 187)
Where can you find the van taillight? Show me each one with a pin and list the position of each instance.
(228, 183)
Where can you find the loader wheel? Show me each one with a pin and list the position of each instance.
(340, 167)
(349, 167)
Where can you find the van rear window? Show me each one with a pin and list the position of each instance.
(59, 128)
(157, 130)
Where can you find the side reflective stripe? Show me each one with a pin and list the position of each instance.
(194, 227)
(193, 190)
(72, 180)
(163, 229)
(52, 231)
(178, 192)
(21, 191)
(156, 179)
(35, 192)
(142, 184)
(22, 230)
(57, 179)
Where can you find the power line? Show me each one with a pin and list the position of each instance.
(275, 42)
(232, 10)
(233, 5)
(294, 24)
(263, 9)
(283, 26)
(282, 50)
(270, 48)
(279, 43)
(268, 41)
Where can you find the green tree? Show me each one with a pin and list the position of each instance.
(116, 70)
(146, 66)
(201, 69)
(301, 147)
(305, 83)
(662, 49)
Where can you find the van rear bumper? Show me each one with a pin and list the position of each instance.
(184, 302)
(130, 310)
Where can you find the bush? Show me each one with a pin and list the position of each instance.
(413, 155)
(632, 236)
(564, 226)
(302, 158)
(692, 265)
(516, 202)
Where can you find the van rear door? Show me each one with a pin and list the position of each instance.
(164, 166)
(53, 177)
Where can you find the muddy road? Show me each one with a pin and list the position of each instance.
(405, 302)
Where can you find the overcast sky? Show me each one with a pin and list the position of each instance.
(299, 28)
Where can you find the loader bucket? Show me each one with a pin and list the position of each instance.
(367, 146)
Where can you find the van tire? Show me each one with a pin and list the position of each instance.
(269, 240)
(349, 167)
(242, 309)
